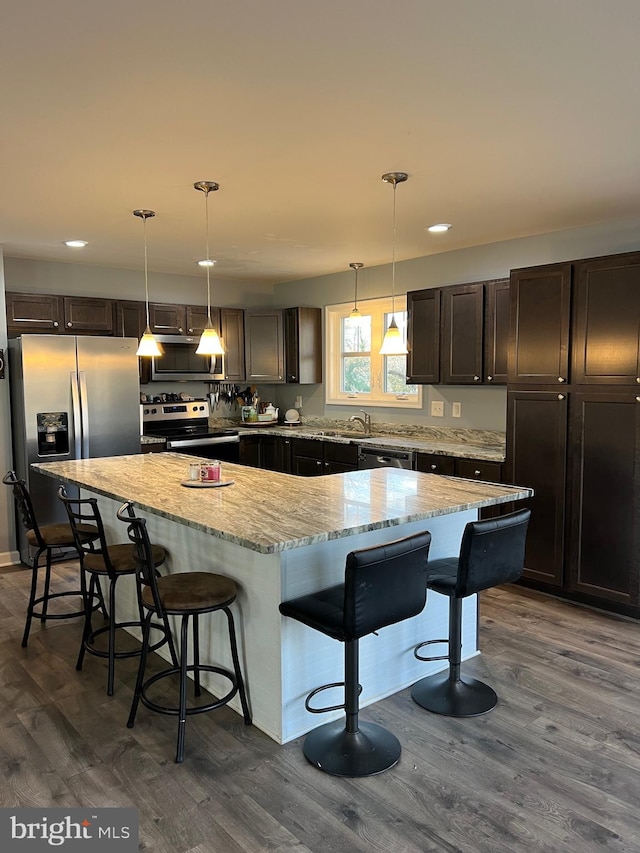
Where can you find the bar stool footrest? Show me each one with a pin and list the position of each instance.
(104, 653)
(198, 709)
(307, 701)
(367, 752)
(430, 643)
(37, 614)
(464, 698)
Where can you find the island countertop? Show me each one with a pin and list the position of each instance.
(270, 512)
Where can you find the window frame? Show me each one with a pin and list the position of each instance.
(376, 308)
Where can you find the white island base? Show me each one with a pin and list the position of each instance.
(283, 660)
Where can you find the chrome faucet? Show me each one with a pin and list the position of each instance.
(366, 421)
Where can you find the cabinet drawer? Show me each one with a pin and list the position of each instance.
(307, 447)
(433, 463)
(347, 453)
(476, 469)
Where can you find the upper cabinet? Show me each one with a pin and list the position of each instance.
(75, 315)
(196, 319)
(606, 321)
(539, 325)
(423, 337)
(462, 334)
(283, 346)
(458, 335)
(167, 319)
(303, 345)
(232, 333)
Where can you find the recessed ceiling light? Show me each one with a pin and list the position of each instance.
(207, 262)
(439, 228)
(75, 244)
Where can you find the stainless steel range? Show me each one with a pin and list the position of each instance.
(185, 427)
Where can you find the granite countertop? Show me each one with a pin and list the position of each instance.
(464, 444)
(270, 512)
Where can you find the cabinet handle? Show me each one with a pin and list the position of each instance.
(637, 399)
(476, 379)
(434, 467)
(489, 378)
(292, 378)
(477, 473)
(560, 378)
(69, 324)
(560, 396)
(637, 378)
(190, 331)
(56, 324)
(319, 462)
(180, 330)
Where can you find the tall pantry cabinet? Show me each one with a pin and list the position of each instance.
(573, 417)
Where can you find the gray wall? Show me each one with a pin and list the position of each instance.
(8, 552)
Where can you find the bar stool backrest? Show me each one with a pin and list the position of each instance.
(138, 534)
(24, 505)
(385, 584)
(82, 512)
(492, 552)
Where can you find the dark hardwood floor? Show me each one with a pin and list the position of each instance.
(555, 767)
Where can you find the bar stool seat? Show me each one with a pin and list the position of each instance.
(188, 595)
(45, 538)
(384, 584)
(491, 553)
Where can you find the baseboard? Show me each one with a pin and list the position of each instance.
(9, 558)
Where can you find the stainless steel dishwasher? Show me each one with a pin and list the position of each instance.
(383, 457)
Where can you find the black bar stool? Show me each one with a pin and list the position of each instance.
(45, 538)
(383, 585)
(100, 560)
(185, 594)
(491, 553)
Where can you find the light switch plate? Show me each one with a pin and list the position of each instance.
(456, 410)
(437, 409)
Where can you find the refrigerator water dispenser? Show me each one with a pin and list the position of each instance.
(53, 433)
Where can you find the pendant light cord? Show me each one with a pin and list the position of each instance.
(146, 276)
(393, 257)
(208, 259)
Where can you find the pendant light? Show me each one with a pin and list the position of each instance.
(210, 343)
(393, 343)
(355, 314)
(148, 345)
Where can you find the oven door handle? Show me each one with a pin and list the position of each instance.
(202, 442)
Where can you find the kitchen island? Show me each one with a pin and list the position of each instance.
(280, 536)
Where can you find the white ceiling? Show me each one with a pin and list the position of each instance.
(512, 117)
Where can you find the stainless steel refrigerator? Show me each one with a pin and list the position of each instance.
(71, 398)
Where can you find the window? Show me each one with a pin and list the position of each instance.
(356, 373)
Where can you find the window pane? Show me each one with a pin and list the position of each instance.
(356, 334)
(395, 373)
(356, 374)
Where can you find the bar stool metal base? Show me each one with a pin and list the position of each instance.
(464, 698)
(370, 750)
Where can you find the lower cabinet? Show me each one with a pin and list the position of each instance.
(275, 453)
(311, 458)
(470, 469)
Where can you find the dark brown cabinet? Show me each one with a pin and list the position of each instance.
(196, 319)
(29, 313)
(496, 331)
(539, 325)
(311, 458)
(167, 319)
(43, 313)
(249, 451)
(423, 337)
(303, 345)
(606, 331)
(131, 322)
(433, 463)
(264, 345)
(536, 457)
(275, 453)
(232, 333)
(604, 520)
(462, 334)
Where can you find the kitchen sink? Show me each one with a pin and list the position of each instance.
(333, 433)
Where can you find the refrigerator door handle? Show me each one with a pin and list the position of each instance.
(84, 406)
(77, 419)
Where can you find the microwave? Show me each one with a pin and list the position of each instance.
(181, 363)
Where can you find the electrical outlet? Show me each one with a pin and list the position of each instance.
(437, 409)
(456, 410)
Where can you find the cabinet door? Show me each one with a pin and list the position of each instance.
(166, 319)
(536, 454)
(86, 316)
(539, 325)
(286, 462)
(606, 332)
(196, 317)
(130, 322)
(603, 472)
(303, 345)
(462, 334)
(536, 457)
(249, 452)
(479, 469)
(496, 331)
(264, 346)
(433, 463)
(423, 336)
(339, 458)
(232, 332)
(29, 313)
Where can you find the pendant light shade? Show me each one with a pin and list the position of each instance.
(393, 342)
(355, 314)
(210, 342)
(148, 346)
